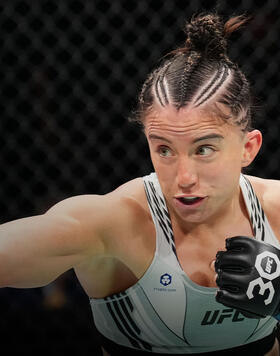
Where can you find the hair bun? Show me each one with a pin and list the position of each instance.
(206, 34)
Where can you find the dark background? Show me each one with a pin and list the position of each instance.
(70, 74)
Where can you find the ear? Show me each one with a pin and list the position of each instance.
(252, 145)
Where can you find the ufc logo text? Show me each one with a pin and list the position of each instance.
(212, 317)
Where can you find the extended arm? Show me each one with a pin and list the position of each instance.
(36, 250)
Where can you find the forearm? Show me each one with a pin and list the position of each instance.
(36, 250)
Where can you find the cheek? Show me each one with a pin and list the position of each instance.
(224, 174)
(165, 172)
(225, 169)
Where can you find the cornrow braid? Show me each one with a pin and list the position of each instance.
(212, 82)
(200, 73)
(215, 84)
(145, 99)
(190, 67)
(238, 100)
(156, 86)
(163, 86)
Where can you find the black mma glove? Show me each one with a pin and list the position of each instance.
(248, 277)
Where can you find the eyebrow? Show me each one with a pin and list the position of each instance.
(209, 137)
(206, 137)
(156, 137)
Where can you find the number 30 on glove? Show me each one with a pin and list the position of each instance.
(248, 277)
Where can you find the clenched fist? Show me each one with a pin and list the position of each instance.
(248, 277)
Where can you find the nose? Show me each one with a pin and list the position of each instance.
(186, 173)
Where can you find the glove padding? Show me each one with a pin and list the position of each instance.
(248, 277)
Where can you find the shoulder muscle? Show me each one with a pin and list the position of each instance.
(103, 218)
(268, 192)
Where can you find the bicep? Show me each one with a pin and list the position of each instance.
(36, 250)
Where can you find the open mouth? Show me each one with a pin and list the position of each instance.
(190, 200)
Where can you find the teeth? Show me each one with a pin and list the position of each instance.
(189, 198)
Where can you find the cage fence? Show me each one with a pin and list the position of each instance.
(70, 74)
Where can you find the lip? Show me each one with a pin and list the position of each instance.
(193, 206)
(188, 196)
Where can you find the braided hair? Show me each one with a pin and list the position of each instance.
(200, 74)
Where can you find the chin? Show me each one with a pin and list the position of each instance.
(192, 218)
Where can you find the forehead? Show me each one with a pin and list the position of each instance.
(184, 121)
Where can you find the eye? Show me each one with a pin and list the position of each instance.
(164, 151)
(205, 150)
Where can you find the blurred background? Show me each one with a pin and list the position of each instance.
(70, 74)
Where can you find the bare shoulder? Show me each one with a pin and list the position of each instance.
(130, 194)
(268, 192)
(109, 215)
(129, 203)
(133, 190)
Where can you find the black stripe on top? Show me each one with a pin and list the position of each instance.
(160, 211)
(133, 342)
(124, 321)
(257, 216)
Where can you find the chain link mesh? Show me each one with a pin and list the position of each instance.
(70, 74)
